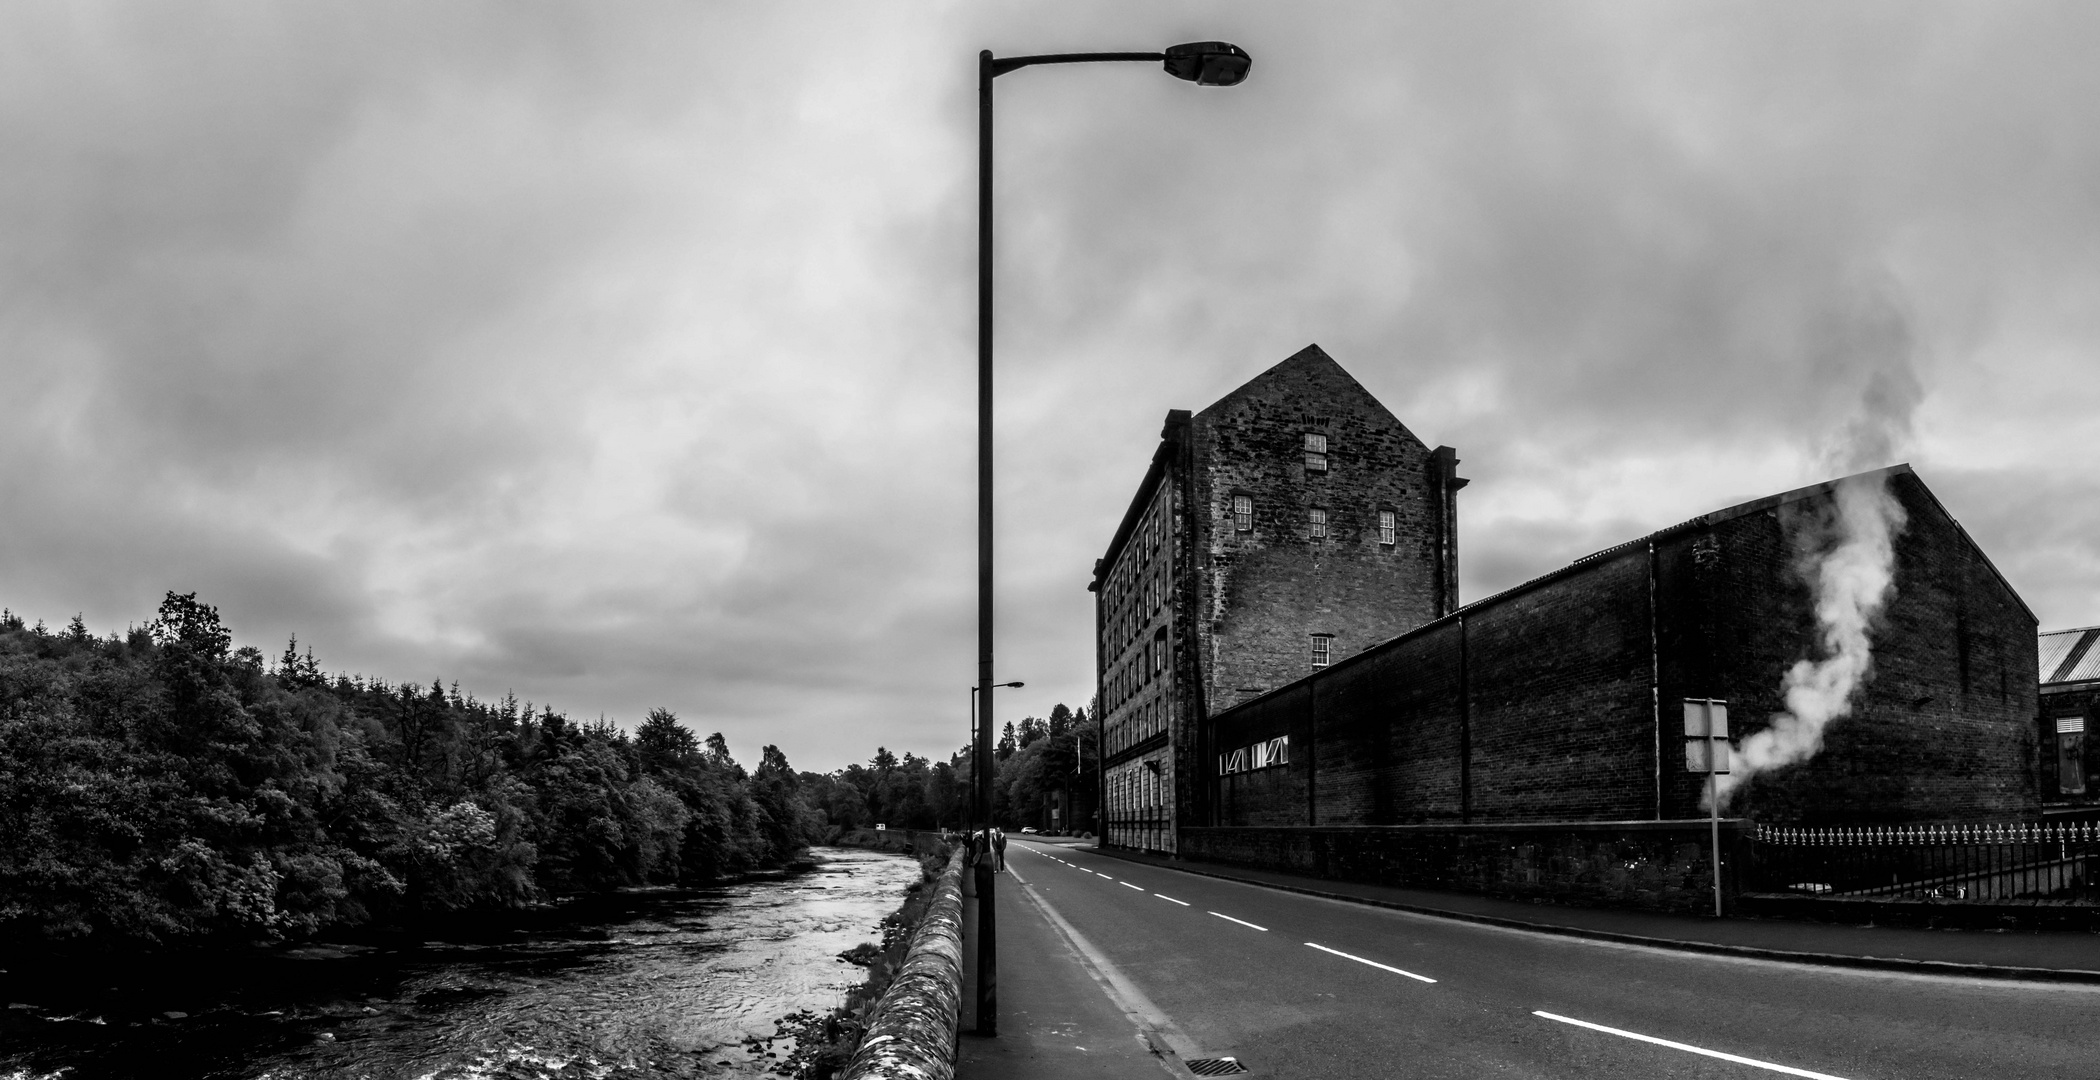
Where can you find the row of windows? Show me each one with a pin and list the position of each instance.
(1138, 585)
(1140, 724)
(1132, 675)
(1137, 787)
(1316, 520)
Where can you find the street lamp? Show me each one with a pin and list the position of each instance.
(1205, 63)
(1015, 685)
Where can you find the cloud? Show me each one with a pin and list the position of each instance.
(624, 356)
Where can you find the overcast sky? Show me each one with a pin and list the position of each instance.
(622, 355)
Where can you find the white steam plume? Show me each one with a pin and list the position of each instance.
(1852, 582)
(1849, 561)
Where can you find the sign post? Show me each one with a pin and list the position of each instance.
(1706, 750)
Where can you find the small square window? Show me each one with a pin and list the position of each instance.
(1315, 452)
(1385, 527)
(1319, 523)
(1243, 513)
(1321, 650)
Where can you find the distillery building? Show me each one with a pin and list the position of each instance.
(1289, 526)
(1562, 699)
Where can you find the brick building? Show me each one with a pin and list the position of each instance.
(2070, 705)
(1559, 700)
(1290, 525)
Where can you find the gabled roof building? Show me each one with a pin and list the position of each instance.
(1281, 652)
(1291, 524)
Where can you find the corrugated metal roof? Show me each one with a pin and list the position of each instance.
(2069, 655)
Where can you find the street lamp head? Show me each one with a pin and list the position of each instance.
(1209, 63)
(1016, 684)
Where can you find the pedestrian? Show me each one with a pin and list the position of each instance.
(999, 845)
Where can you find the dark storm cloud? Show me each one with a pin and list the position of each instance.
(621, 356)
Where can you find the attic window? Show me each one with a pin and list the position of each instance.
(1243, 513)
(1385, 527)
(1315, 452)
(1322, 649)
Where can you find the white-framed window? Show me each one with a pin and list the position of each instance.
(1243, 513)
(2070, 755)
(1322, 649)
(1385, 527)
(1315, 452)
(1318, 520)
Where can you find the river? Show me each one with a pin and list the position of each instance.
(670, 983)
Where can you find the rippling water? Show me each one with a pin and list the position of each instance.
(647, 984)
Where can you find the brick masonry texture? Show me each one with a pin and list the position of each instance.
(2065, 700)
(1235, 611)
(1561, 699)
(1261, 593)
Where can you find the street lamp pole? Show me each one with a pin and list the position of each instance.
(1206, 63)
(1015, 685)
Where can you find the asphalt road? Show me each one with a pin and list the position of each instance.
(1295, 985)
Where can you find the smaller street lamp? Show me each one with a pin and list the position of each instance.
(975, 780)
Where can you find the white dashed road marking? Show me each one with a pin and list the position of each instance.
(1171, 900)
(1242, 922)
(1372, 963)
(1128, 885)
(1688, 1048)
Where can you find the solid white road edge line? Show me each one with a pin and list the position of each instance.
(1372, 963)
(1128, 885)
(1154, 1026)
(1171, 900)
(1688, 1048)
(1242, 922)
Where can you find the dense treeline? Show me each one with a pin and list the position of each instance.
(163, 786)
(1038, 765)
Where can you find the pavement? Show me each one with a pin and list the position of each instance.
(1055, 1018)
(1066, 1011)
(2054, 955)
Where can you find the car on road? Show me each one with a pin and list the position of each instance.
(1028, 830)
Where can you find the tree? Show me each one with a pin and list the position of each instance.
(665, 745)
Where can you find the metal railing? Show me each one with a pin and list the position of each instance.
(2055, 862)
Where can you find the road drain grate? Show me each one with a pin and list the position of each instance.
(1221, 1066)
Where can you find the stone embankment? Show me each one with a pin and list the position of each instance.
(912, 1029)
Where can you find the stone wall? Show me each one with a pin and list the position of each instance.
(912, 1029)
(1263, 592)
(1654, 865)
